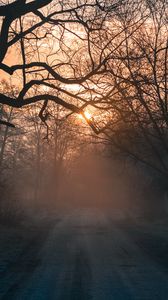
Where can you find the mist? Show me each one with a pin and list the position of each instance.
(83, 150)
(97, 217)
(90, 181)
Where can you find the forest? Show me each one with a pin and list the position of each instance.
(83, 115)
(79, 76)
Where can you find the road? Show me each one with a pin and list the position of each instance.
(90, 254)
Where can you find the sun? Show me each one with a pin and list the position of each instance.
(86, 115)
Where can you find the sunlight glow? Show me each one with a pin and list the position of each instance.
(87, 115)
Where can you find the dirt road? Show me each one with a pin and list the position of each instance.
(86, 255)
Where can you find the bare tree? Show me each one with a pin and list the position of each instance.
(111, 55)
(54, 48)
(138, 74)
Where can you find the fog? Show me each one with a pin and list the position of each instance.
(94, 182)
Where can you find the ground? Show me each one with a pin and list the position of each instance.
(85, 254)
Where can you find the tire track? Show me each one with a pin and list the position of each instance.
(80, 284)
